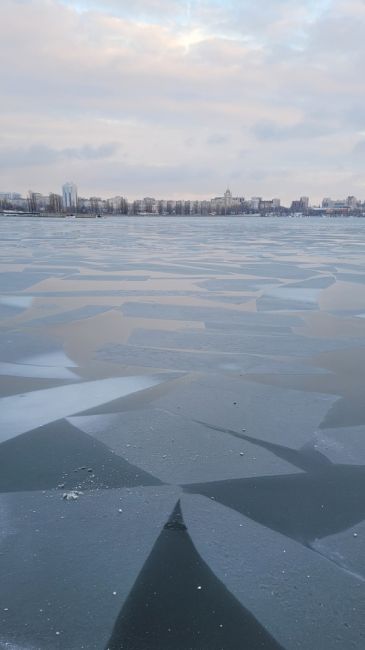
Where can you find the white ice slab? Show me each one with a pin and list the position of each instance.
(38, 372)
(304, 295)
(57, 359)
(177, 450)
(21, 413)
(19, 302)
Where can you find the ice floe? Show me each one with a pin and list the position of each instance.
(17, 302)
(50, 365)
(302, 598)
(21, 413)
(36, 371)
(297, 294)
(56, 359)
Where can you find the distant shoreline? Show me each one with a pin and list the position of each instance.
(148, 215)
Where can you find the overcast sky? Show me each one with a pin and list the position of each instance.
(175, 98)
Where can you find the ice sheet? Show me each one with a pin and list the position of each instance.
(178, 449)
(78, 563)
(298, 294)
(21, 413)
(38, 371)
(56, 359)
(17, 302)
(259, 325)
(271, 575)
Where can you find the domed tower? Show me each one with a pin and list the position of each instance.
(227, 198)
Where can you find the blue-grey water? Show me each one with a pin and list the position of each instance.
(182, 434)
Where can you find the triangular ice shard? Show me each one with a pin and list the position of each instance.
(58, 454)
(177, 603)
(304, 506)
(21, 413)
(307, 458)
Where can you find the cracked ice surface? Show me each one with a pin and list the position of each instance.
(54, 365)
(200, 382)
(21, 413)
(37, 370)
(57, 359)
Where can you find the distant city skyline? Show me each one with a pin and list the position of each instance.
(69, 194)
(69, 201)
(287, 198)
(177, 98)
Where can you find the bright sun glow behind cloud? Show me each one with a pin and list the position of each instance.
(191, 37)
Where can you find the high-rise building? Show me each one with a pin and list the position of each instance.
(352, 202)
(69, 196)
(227, 198)
(255, 202)
(10, 196)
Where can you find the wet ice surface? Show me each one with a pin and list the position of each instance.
(197, 384)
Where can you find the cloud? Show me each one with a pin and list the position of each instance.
(359, 150)
(158, 9)
(217, 139)
(39, 155)
(267, 130)
(225, 75)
